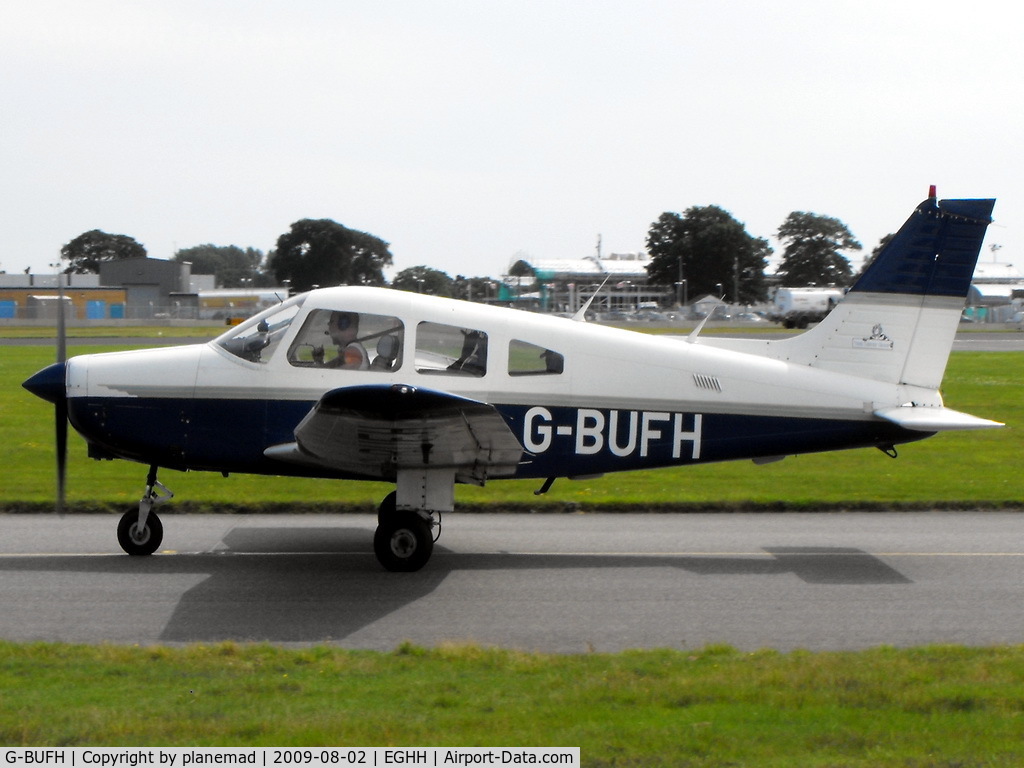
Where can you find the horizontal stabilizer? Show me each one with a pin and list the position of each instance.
(933, 419)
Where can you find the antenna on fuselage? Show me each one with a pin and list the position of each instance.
(692, 338)
(581, 313)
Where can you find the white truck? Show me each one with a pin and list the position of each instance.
(796, 307)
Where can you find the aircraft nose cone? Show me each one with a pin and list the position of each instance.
(48, 383)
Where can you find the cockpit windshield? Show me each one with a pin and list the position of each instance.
(258, 337)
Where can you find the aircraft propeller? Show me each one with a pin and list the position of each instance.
(49, 384)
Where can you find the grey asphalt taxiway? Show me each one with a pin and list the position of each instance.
(550, 582)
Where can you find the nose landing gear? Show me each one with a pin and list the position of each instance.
(140, 531)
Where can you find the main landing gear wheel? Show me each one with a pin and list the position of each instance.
(139, 542)
(403, 542)
(387, 508)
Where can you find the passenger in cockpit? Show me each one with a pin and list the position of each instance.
(343, 329)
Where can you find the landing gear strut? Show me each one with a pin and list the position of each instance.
(140, 531)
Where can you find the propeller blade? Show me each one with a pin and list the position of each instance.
(61, 417)
(50, 384)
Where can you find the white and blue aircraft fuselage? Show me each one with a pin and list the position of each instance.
(371, 383)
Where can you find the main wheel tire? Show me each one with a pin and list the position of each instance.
(403, 542)
(136, 542)
(387, 508)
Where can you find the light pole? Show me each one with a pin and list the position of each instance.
(681, 296)
(736, 278)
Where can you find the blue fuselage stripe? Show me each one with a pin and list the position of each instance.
(231, 435)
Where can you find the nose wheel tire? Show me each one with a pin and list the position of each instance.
(403, 542)
(136, 541)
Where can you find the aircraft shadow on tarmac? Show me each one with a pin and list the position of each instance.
(306, 585)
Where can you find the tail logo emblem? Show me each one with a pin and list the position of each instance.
(877, 340)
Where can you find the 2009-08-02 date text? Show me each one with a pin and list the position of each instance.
(320, 756)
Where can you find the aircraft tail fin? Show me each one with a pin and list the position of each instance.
(898, 321)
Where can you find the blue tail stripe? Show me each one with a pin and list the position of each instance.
(935, 251)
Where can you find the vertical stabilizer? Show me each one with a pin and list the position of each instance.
(898, 322)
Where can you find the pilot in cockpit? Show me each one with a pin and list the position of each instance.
(343, 328)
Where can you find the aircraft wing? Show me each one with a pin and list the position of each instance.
(376, 430)
(933, 419)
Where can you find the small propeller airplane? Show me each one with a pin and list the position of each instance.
(425, 392)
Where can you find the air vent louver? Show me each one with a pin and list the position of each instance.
(707, 382)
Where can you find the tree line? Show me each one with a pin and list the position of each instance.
(704, 248)
(713, 253)
(312, 253)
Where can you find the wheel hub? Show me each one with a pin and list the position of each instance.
(139, 537)
(403, 543)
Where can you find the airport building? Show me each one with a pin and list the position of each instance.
(35, 297)
(565, 285)
(997, 293)
(129, 289)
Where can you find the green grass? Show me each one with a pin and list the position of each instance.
(938, 706)
(966, 469)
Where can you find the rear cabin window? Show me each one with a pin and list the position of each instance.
(526, 359)
(450, 350)
(357, 341)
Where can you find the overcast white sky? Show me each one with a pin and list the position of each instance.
(464, 131)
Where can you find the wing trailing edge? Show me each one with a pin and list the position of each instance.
(378, 431)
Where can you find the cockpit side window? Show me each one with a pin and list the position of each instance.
(450, 350)
(257, 338)
(526, 359)
(358, 341)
